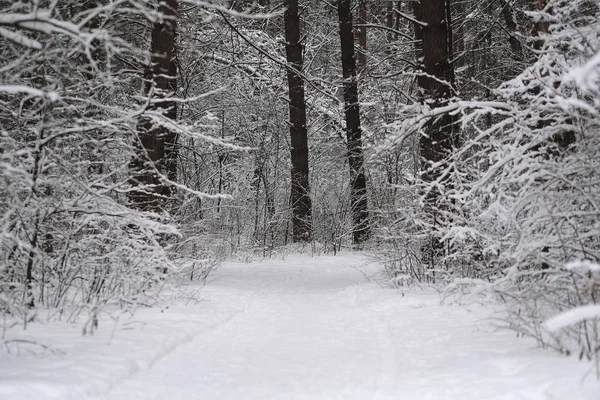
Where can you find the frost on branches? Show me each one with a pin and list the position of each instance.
(527, 184)
(520, 193)
(69, 104)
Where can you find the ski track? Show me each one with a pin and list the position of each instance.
(315, 328)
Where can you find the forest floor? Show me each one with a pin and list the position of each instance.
(293, 328)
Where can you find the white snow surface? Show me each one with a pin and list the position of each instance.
(295, 328)
(573, 316)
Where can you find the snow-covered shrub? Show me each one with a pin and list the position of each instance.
(70, 80)
(583, 320)
(67, 236)
(518, 198)
(526, 182)
(397, 218)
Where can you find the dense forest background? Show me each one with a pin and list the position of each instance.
(141, 141)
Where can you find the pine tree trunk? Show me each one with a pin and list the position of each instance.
(158, 144)
(389, 18)
(434, 34)
(437, 81)
(358, 181)
(565, 137)
(300, 195)
(511, 26)
(389, 23)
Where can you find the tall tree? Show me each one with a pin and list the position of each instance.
(358, 180)
(566, 136)
(389, 17)
(433, 32)
(158, 152)
(300, 194)
(511, 26)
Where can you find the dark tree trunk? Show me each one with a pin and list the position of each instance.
(567, 137)
(435, 49)
(300, 194)
(389, 18)
(511, 26)
(358, 181)
(158, 152)
(389, 23)
(437, 81)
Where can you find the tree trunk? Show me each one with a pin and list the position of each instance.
(566, 137)
(389, 23)
(434, 48)
(158, 153)
(438, 79)
(300, 195)
(389, 18)
(358, 181)
(511, 26)
(398, 17)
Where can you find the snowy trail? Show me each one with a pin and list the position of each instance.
(317, 329)
(298, 328)
(300, 336)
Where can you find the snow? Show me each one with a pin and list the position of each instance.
(586, 76)
(573, 316)
(298, 327)
(40, 21)
(17, 89)
(583, 266)
(20, 39)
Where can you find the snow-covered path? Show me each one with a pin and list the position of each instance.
(297, 328)
(300, 334)
(317, 329)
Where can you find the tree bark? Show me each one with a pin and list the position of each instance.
(158, 153)
(300, 194)
(389, 23)
(389, 18)
(358, 181)
(434, 48)
(511, 26)
(567, 137)
(437, 81)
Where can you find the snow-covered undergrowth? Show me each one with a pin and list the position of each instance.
(519, 196)
(296, 328)
(73, 241)
(526, 185)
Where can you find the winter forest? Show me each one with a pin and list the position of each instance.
(258, 153)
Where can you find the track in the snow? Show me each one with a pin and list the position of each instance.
(317, 329)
